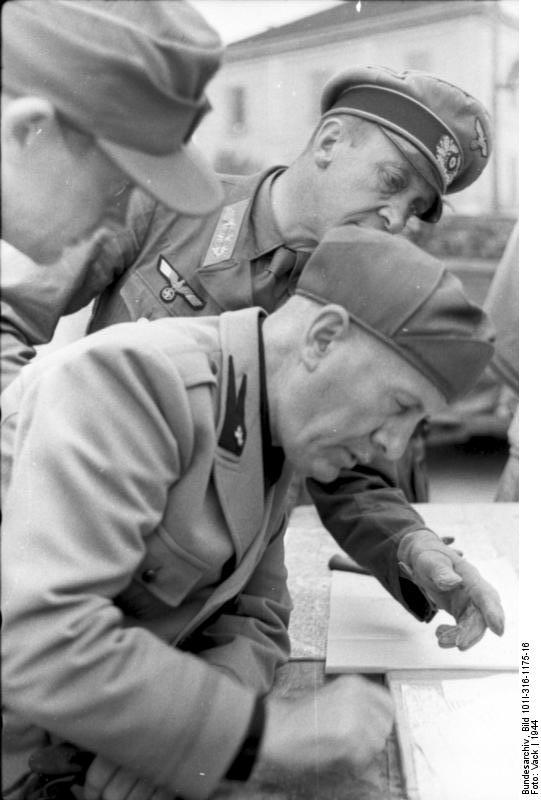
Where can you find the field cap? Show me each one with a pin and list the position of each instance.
(131, 74)
(405, 298)
(450, 130)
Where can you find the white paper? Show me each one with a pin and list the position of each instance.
(369, 631)
(462, 734)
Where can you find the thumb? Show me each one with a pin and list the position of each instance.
(437, 568)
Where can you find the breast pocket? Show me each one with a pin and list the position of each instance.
(168, 571)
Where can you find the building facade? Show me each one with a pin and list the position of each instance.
(266, 96)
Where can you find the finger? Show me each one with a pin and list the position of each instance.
(162, 794)
(98, 775)
(120, 785)
(447, 635)
(142, 790)
(471, 627)
(437, 568)
(484, 596)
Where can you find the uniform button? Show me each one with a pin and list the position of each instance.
(149, 575)
(214, 367)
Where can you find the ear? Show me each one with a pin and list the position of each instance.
(330, 326)
(27, 121)
(329, 134)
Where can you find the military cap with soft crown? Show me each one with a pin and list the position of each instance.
(450, 130)
(129, 73)
(406, 299)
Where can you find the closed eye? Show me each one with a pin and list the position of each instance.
(392, 178)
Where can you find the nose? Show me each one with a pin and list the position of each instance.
(392, 438)
(394, 216)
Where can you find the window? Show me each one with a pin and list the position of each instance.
(237, 109)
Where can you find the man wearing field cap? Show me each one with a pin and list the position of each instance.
(98, 97)
(188, 430)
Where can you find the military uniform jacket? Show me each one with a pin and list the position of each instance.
(233, 259)
(136, 513)
(172, 265)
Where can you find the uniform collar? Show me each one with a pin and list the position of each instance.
(238, 464)
(273, 457)
(263, 235)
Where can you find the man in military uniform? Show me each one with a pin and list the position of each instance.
(96, 97)
(144, 507)
(388, 146)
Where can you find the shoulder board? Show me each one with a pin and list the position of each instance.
(226, 233)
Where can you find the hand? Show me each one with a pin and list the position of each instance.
(343, 727)
(110, 782)
(454, 585)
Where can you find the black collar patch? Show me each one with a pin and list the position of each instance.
(233, 435)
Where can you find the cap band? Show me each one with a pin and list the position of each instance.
(410, 119)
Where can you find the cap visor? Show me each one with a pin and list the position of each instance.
(422, 166)
(183, 180)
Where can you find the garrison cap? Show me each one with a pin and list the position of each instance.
(130, 74)
(405, 298)
(446, 125)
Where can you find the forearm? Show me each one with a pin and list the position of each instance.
(368, 517)
(249, 639)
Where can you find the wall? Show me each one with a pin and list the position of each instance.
(282, 94)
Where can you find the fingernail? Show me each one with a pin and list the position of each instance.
(448, 582)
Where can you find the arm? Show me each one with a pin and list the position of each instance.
(249, 640)
(368, 515)
(379, 529)
(83, 674)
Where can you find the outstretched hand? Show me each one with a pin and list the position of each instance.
(455, 586)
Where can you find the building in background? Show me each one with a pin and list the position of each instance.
(266, 96)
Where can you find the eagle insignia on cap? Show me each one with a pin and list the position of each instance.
(480, 142)
(448, 157)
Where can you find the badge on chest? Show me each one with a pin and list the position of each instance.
(177, 286)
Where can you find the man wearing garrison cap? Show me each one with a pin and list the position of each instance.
(388, 146)
(188, 430)
(97, 97)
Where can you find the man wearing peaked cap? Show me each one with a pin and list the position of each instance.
(188, 431)
(444, 133)
(98, 97)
